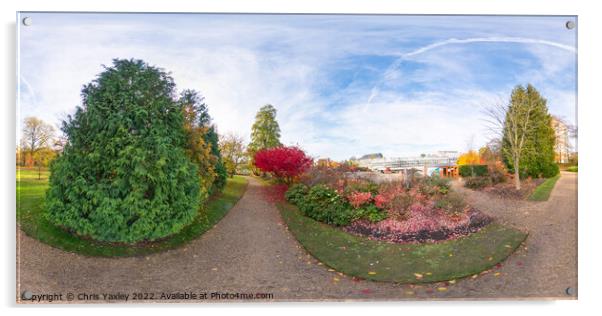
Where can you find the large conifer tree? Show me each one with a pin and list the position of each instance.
(124, 175)
(537, 155)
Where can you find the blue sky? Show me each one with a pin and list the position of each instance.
(344, 85)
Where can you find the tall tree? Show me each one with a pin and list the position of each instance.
(36, 134)
(202, 141)
(212, 138)
(123, 175)
(197, 148)
(265, 132)
(526, 133)
(233, 151)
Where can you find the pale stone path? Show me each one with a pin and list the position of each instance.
(250, 251)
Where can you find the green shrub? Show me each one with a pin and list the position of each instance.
(473, 170)
(550, 170)
(325, 205)
(371, 213)
(572, 169)
(477, 182)
(124, 175)
(296, 193)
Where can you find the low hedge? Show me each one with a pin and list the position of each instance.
(473, 170)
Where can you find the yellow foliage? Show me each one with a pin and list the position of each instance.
(327, 163)
(470, 158)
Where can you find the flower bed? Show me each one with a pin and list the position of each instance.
(413, 210)
(421, 228)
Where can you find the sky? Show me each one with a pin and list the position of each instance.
(343, 85)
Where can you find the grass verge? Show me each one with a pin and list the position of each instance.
(30, 201)
(402, 263)
(542, 192)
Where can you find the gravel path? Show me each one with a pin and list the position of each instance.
(250, 251)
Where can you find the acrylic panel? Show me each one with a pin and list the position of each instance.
(277, 157)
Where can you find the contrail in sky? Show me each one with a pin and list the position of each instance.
(423, 49)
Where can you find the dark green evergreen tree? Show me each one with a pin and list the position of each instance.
(537, 155)
(123, 175)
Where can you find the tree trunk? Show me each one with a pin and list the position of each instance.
(516, 175)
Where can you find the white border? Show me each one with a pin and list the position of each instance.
(589, 117)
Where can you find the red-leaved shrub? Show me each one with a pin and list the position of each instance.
(357, 199)
(285, 163)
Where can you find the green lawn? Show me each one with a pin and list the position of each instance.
(542, 192)
(30, 200)
(403, 263)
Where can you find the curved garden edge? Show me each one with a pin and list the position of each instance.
(33, 224)
(402, 263)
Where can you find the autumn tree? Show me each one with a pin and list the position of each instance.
(233, 151)
(212, 138)
(202, 147)
(491, 153)
(198, 150)
(36, 135)
(471, 157)
(285, 163)
(124, 175)
(265, 132)
(42, 158)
